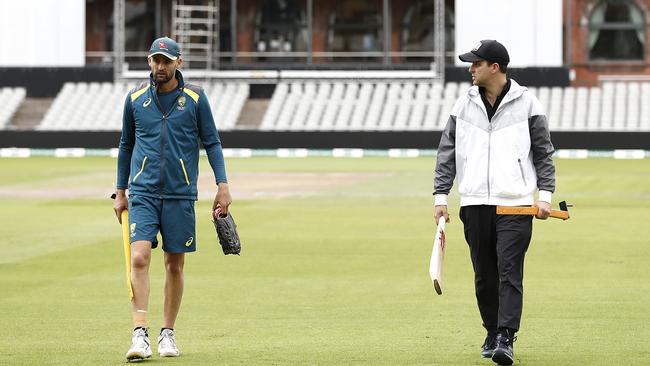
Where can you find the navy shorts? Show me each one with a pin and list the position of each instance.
(174, 219)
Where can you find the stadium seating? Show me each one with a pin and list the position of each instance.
(422, 106)
(11, 99)
(644, 109)
(98, 106)
(352, 106)
(360, 106)
(227, 101)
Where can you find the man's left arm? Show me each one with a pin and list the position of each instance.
(542, 148)
(210, 139)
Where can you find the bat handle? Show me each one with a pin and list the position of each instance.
(127, 250)
(564, 215)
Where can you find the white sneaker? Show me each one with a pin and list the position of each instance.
(167, 344)
(140, 346)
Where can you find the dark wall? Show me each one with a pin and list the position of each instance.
(45, 82)
(321, 140)
(528, 76)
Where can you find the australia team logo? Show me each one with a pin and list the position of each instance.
(181, 103)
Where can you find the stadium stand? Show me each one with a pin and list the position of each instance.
(350, 106)
(410, 106)
(11, 99)
(98, 106)
(227, 101)
(644, 107)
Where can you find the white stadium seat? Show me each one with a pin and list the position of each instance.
(98, 106)
(620, 106)
(432, 114)
(593, 113)
(633, 107)
(390, 107)
(376, 107)
(332, 107)
(581, 104)
(299, 118)
(419, 107)
(404, 107)
(235, 108)
(275, 107)
(644, 102)
(568, 109)
(349, 106)
(11, 99)
(318, 107)
(555, 108)
(361, 110)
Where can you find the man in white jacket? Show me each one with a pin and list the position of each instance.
(498, 147)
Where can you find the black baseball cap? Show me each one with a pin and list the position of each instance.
(489, 50)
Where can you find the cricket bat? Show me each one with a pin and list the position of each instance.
(127, 250)
(437, 256)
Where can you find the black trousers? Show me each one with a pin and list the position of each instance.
(497, 246)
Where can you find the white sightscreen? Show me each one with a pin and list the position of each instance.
(43, 33)
(531, 30)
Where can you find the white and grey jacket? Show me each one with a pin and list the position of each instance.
(498, 162)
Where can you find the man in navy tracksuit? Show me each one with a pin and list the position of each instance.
(498, 147)
(164, 123)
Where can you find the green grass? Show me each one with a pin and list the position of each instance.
(337, 276)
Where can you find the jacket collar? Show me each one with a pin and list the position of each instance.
(515, 92)
(178, 75)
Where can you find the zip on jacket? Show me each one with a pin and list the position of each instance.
(169, 140)
(516, 142)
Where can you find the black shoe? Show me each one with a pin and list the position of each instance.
(489, 346)
(503, 354)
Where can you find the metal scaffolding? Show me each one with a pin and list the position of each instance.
(196, 28)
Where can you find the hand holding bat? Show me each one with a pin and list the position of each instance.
(437, 256)
(120, 206)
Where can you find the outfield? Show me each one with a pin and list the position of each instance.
(333, 269)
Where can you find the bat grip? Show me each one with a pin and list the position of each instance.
(127, 249)
(559, 214)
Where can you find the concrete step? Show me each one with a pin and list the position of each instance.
(30, 113)
(252, 113)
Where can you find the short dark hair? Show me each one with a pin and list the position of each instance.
(502, 67)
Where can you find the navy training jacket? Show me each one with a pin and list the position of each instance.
(159, 150)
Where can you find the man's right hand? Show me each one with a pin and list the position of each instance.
(441, 211)
(120, 204)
